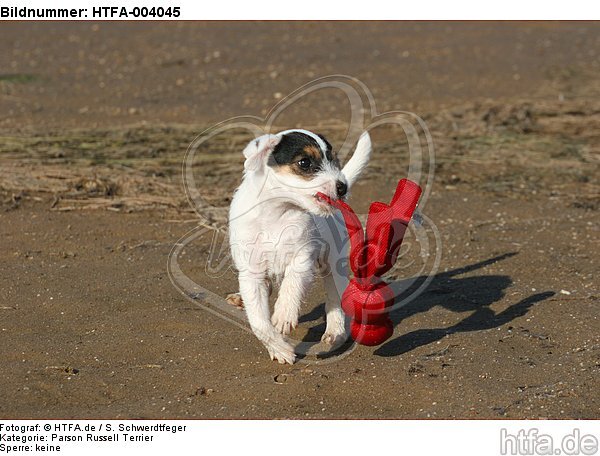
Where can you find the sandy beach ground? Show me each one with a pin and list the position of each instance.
(95, 120)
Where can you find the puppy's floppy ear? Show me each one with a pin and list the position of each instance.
(257, 152)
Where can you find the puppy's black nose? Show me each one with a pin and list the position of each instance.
(341, 188)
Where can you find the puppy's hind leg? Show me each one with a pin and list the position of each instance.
(255, 294)
(235, 299)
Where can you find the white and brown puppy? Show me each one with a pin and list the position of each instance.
(276, 225)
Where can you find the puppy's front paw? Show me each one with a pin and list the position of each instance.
(283, 322)
(281, 351)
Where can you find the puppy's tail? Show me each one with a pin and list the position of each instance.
(359, 160)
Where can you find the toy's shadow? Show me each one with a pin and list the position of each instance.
(470, 294)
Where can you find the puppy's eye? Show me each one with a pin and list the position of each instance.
(304, 164)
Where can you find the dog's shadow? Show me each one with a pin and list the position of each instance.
(473, 294)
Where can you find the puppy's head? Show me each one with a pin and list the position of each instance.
(296, 165)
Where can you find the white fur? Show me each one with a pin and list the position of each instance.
(278, 233)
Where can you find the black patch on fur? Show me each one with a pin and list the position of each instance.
(291, 149)
(296, 146)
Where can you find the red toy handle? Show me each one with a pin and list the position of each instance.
(367, 296)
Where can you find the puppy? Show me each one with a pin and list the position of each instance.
(276, 223)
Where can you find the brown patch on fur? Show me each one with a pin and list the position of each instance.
(294, 169)
(313, 152)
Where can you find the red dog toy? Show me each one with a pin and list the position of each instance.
(367, 296)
